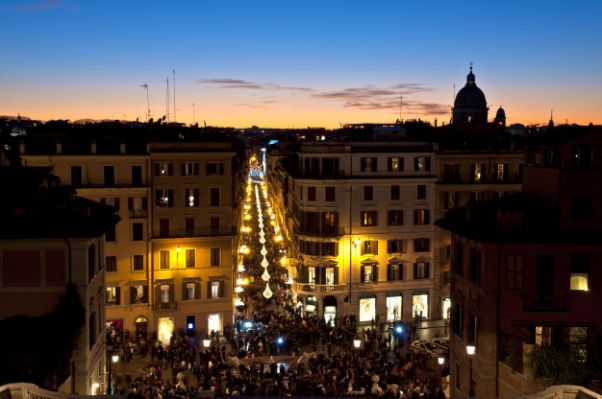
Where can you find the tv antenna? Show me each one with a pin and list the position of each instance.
(400, 107)
(167, 100)
(145, 86)
(174, 94)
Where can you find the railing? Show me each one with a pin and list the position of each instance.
(166, 305)
(545, 303)
(308, 287)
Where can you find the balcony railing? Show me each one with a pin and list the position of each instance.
(545, 303)
(173, 305)
(308, 287)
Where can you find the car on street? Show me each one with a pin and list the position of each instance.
(426, 347)
(441, 342)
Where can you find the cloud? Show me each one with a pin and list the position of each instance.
(226, 83)
(35, 7)
(367, 98)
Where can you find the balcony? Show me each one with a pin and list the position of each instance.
(545, 303)
(322, 288)
(197, 232)
(138, 214)
(166, 306)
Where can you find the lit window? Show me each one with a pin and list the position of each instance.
(367, 275)
(543, 335)
(578, 343)
(330, 275)
(165, 293)
(311, 275)
(477, 172)
(214, 289)
(191, 291)
(579, 273)
(394, 308)
(367, 309)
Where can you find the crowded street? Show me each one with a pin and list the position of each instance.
(274, 346)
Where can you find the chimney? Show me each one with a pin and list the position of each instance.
(59, 147)
(122, 147)
(21, 147)
(93, 147)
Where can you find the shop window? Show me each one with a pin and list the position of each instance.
(420, 305)
(394, 308)
(367, 309)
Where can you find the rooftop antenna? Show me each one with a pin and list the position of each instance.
(400, 107)
(193, 114)
(167, 100)
(174, 94)
(145, 86)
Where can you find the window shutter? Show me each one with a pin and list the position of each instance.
(427, 162)
(157, 298)
(197, 290)
(506, 171)
(374, 164)
(132, 295)
(375, 274)
(170, 169)
(375, 245)
(171, 293)
(157, 169)
(144, 203)
(473, 168)
(221, 289)
(220, 168)
(362, 276)
(389, 164)
(196, 168)
(483, 172)
(209, 290)
(336, 275)
(415, 163)
(389, 272)
(427, 267)
(304, 274)
(415, 270)
(322, 273)
(182, 169)
(171, 198)
(184, 291)
(130, 203)
(118, 295)
(401, 269)
(145, 294)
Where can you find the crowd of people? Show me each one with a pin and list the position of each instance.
(274, 349)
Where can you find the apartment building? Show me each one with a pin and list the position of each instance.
(361, 216)
(524, 276)
(50, 243)
(168, 262)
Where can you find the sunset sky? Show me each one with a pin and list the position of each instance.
(299, 63)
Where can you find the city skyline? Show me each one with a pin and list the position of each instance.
(299, 64)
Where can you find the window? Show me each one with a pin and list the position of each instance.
(329, 194)
(514, 272)
(109, 175)
(395, 217)
(476, 196)
(501, 172)
(368, 164)
(111, 263)
(164, 259)
(422, 164)
(214, 224)
(369, 273)
(330, 167)
(330, 275)
(191, 197)
(477, 172)
(189, 226)
(216, 289)
(421, 270)
(137, 232)
(311, 275)
(192, 290)
(581, 207)
(368, 218)
(543, 335)
(459, 257)
(113, 295)
(420, 304)
(394, 308)
(214, 168)
(471, 330)
(110, 236)
(165, 293)
(582, 155)
(214, 196)
(215, 256)
(136, 175)
(458, 320)
(421, 191)
(76, 176)
(422, 216)
(189, 169)
(544, 275)
(474, 266)
(139, 293)
(578, 343)
(396, 246)
(163, 169)
(422, 245)
(138, 262)
(311, 193)
(190, 258)
(579, 273)
(318, 248)
(368, 193)
(395, 193)
(370, 247)
(450, 200)
(164, 227)
(367, 309)
(395, 271)
(452, 173)
(395, 164)
(164, 198)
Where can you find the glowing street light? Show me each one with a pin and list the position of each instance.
(244, 250)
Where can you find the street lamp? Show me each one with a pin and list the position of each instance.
(206, 342)
(470, 351)
(357, 342)
(440, 360)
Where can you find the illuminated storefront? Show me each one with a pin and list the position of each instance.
(420, 305)
(330, 310)
(166, 326)
(367, 309)
(394, 307)
(214, 323)
(446, 308)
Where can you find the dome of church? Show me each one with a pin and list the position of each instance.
(500, 113)
(470, 104)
